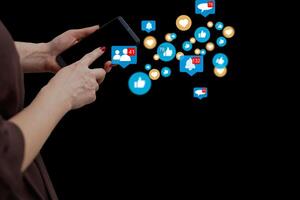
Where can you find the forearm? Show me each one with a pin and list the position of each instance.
(38, 120)
(33, 57)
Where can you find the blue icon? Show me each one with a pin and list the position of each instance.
(221, 41)
(203, 52)
(166, 51)
(173, 36)
(191, 64)
(205, 7)
(219, 26)
(148, 67)
(139, 83)
(123, 55)
(148, 25)
(220, 61)
(202, 34)
(165, 72)
(200, 92)
(187, 46)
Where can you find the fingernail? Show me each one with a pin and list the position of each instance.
(103, 49)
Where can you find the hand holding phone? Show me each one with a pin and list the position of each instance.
(114, 33)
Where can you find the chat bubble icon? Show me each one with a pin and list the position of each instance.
(205, 7)
(200, 92)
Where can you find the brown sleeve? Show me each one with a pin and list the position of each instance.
(11, 157)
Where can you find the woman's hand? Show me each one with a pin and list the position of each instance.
(72, 87)
(41, 57)
(77, 84)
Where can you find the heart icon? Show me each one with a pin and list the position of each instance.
(183, 22)
(154, 74)
(228, 32)
(150, 42)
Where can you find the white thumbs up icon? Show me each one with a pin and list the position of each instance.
(140, 83)
(220, 61)
(168, 53)
(202, 34)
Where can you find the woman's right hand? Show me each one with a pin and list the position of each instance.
(76, 84)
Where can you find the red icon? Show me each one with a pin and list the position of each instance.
(210, 4)
(196, 60)
(131, 51)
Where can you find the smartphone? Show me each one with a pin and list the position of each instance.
(114, 33)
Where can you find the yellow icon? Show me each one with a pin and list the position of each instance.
(154, 74)
(210, 46)
(183, 22)
(156, 57)
(228, 32)
(168, 37)
(178, 55)
(210, 24)
(150, 42)
(197, 51)
(220, 72)
(192, 40)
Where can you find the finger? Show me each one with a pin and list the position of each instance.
(99, 74)
(96, 86)
(83, 32)
(108, 66)
(70, 38)
(89, 58)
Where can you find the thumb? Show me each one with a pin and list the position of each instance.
(99, 74)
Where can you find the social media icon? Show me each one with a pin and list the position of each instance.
(148, 67)
(154, 74)
(200, 92)
(150, 42)
(173, 36)
(220, 61)
(166, 51)
(169, 37)
(228, 32)
(220, 72)
(191, 64)
(148, 25)
(210, 46)
(123, 55)
(203, 52)
(205, 7)
(183, 22)
(219, 26)
(139, 83)
(221, 41)
(187, 46)
(165, 72)
(202, 34)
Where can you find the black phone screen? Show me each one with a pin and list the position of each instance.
(114, 33)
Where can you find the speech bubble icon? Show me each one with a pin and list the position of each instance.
(200, 92)
(205, 7)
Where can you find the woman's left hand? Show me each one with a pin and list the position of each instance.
(41, 57)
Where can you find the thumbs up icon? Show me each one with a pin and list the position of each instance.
(220, 61)
(202, 34)
(168, 52)
(140, 83)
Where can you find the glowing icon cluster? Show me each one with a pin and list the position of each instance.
(190, 55)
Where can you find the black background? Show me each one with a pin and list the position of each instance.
(124, 138)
